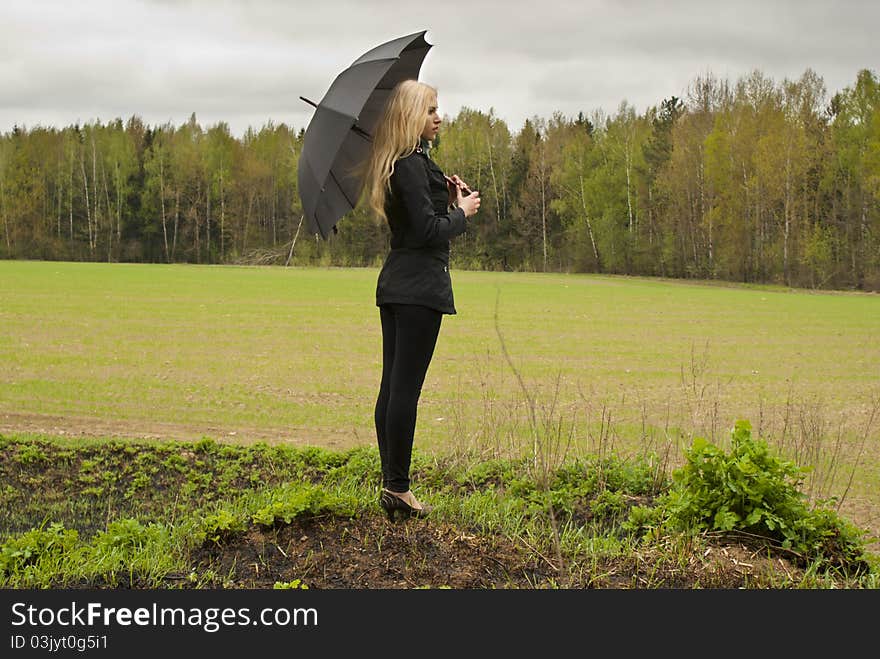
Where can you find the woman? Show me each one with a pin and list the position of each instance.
(424, 210)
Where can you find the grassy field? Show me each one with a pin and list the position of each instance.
(550, 364)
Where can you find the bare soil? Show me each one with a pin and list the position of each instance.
(74, 426)
(370, 552)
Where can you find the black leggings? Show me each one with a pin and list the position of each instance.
(409, 334)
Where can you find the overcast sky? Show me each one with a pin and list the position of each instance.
(247, 62)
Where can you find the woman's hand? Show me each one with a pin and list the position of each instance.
(460, 191)
(470, 204)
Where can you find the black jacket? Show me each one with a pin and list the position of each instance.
(416, 270)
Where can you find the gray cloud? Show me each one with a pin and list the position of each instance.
(247, 62)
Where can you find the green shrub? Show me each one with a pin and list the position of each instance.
(27, 549)
(358, 464)
(205, 445)
(608, 505)
(491, 473)
(642, 520)
(31, 454)
(222, 524)
(129, 534)
(754, 491)
(301, 499)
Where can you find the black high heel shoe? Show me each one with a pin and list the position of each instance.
(396, 508)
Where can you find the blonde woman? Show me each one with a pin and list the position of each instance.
(424, 210)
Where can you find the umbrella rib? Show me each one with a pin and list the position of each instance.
(341, 189)
(360, 131)
(372, 61)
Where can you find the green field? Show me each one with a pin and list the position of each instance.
(293, 355)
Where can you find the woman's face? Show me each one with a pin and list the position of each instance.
(432, 122)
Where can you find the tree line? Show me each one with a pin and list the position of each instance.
(752, 181)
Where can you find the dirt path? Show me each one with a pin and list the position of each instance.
(73, 426)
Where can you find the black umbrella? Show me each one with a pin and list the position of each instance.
(338, 137)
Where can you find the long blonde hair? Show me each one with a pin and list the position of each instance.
(397, 135)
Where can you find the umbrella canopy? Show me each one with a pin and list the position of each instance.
(338, 137)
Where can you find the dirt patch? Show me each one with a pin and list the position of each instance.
(371, 553)
(73, 426)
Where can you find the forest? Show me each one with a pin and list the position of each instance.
(751, 181)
